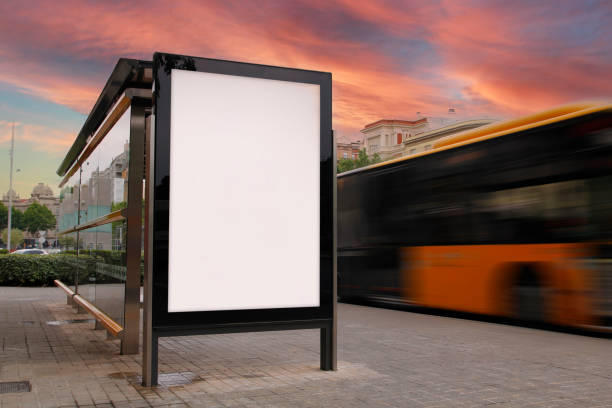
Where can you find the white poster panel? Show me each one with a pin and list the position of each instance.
(244, 193)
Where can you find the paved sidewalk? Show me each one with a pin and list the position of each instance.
(386, 358)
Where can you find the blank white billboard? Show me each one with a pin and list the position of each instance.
(244, 193)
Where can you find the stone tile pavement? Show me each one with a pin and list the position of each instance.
(387, 358)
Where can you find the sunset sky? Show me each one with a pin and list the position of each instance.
(389, 59)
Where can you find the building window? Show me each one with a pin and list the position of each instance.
(345, 155)
(427, 147)
(399, 138)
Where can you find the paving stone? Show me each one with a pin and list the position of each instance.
(387, 358)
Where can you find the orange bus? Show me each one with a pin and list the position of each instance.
(513, 219)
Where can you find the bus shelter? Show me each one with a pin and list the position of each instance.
(157, 218)
(100, 215)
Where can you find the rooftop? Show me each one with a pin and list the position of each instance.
(395, 122)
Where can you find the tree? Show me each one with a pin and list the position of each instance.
(361, 161)
(16, 236)
(3, 216)
(38, 218)
(375, 158)
(118, 206)
(345, 165)
(67, 241)
(17, 220)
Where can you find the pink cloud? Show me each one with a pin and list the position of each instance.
(517, 58)
(486, 58)
(102, 31)
(58, 88)
(37, 137)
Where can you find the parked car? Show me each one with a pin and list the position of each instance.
(32, 251)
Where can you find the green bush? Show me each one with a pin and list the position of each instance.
(35, 270)
(3, 251)
(109, 257)
(41, 270)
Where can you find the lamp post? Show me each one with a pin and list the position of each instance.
(10, 206)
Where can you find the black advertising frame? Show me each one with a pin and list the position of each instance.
(164, 323)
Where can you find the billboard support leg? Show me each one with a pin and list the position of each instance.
(326, 348)
(328, 351)
(150, 361)
(329, 333)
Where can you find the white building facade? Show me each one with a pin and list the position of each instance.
(392, 138)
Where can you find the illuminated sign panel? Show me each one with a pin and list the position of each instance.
(241, 203)
(242, 197)
(244, 223)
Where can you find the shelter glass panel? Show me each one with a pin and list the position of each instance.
(101, 264)
(110, 272)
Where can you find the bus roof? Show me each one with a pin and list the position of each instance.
(547, 117)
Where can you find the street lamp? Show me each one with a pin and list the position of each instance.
(10, 210)
(10, 207)
(10, 192)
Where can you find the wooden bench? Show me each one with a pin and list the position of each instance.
(112, 327)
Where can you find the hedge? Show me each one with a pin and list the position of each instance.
(34, 270)
(110, 257)
(41, 270)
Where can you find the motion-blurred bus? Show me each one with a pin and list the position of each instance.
(513, 219)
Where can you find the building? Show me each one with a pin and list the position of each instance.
(41, 194)
(387, 136)
(348, 150)
(392, 138)
(103, 189)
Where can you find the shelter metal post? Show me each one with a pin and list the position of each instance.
(130, 339)
(149, 340)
